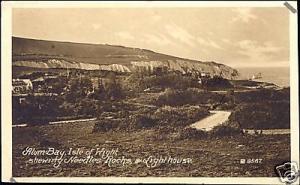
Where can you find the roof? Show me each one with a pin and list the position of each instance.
(40, 79)
(21, 81)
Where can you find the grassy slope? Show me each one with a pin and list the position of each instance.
(80, 52)
(211, 157)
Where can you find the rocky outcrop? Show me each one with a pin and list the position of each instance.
(186, 66)
(171, 65)
(55, 63)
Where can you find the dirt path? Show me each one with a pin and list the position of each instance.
(72, 121)
(217, 117)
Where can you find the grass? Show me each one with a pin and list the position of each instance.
(213, 157)
(165, 134)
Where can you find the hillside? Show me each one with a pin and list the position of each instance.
(53, 54)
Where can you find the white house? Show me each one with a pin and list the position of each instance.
(21, 85)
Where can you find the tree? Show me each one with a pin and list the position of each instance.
(112, 89)
(79, 89)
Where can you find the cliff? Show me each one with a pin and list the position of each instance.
(53, 54)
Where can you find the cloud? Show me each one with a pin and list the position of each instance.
(208, 42)
(180, 34)
(124, 35)
(266, 47)
(156, 39)
(243, 15)
(263, 52)
(225, 40)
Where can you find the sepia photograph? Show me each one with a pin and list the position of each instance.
(152, 90)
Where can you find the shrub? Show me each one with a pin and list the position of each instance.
(225, 130)
(165, 118)
(141, 81)
(265, 115)
(105, 125)
(263, 95)
(192, 133)
(179, 116)
(164, 134)
(216, 82)
(114, 91)
(190, 96)
(142, 121)
(34, 108)
(176, 81)
(78, 89)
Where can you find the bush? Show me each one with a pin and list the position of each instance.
(78, 89)
(190, 96)
(179, 116)
(135, 122)
(166, 118)
(266, 115)
(169, 80)
(105, 125)
(34, 108)
(225, 130)
(176, 81)
(263, 95)
(114, 91)
(192, 133)
(216, 82)
(141, 121)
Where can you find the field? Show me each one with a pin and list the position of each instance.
(211, 157)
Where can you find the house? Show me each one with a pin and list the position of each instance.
(45, 83)
(21, 86)
(204, 74)
(96, 82)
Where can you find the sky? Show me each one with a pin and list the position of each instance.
(238, 37)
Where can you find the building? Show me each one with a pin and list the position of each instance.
(21, 86)
(45, 83)
(96, 82)
(205, 74)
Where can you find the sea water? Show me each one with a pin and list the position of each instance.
(277, 75)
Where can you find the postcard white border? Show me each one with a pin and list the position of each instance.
(6, 75)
